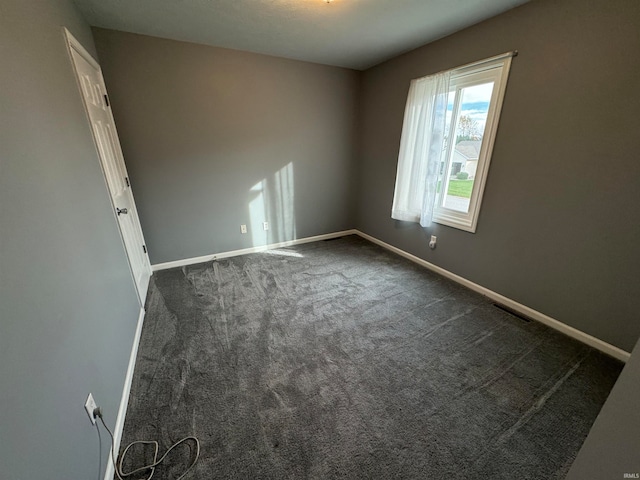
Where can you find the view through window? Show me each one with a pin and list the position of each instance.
(467, 108)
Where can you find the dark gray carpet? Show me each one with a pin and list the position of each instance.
(338, 359)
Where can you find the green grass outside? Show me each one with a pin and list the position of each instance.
(459, 188)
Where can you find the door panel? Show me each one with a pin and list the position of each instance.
(105, 135)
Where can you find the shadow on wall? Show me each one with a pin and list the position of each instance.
(272, 200)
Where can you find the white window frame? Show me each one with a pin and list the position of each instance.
(495, 69)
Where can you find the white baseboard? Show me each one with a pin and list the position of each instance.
(583, 337)
(124, 401)
(244, 251)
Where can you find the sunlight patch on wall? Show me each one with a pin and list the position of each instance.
(272, 200)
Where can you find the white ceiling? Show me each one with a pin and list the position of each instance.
(348, 33)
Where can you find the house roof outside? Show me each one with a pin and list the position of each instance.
(469, 149)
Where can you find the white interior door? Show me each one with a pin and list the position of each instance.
(103, 126)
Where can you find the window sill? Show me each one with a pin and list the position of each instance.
(459, 220)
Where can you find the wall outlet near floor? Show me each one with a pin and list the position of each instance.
(90, 406)
(432, 243)
(243, 229)
(265, 226)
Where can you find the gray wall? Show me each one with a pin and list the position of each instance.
(559, 227)
(68, 307)
(215, 138)
(613, 445)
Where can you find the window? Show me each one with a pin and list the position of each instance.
(448, 133)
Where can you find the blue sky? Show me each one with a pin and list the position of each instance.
(475, 103)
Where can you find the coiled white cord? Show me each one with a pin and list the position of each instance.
(152, 466)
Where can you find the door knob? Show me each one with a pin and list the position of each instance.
(121, 211)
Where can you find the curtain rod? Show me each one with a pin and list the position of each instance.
(513, 53)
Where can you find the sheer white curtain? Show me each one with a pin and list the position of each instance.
(421, 146)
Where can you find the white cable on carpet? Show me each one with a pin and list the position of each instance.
(152, 466)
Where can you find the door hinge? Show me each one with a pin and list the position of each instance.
(126, 179)
(106, 100)
(144, 248)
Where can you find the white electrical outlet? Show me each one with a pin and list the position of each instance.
(243, 229)
(265, 225)
(90, 406)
